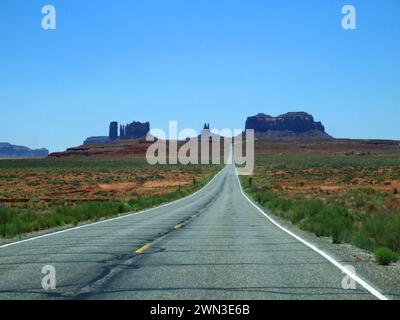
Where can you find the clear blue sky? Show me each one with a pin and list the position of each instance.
(195, 61)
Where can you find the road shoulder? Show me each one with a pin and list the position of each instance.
(386, 279)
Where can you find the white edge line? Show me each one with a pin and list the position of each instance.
(356, 278)
(111, 219)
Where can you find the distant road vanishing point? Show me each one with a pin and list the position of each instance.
(214, 244)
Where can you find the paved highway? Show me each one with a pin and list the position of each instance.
(212, 245)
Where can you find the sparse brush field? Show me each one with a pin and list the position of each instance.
(45, 193)
(351, 198)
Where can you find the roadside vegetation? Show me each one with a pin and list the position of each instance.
(348, 198)
(41, 194)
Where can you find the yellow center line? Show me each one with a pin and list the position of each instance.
(143, 248)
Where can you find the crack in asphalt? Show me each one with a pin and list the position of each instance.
(126, 260)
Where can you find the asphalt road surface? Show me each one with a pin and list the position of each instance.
(212, 245)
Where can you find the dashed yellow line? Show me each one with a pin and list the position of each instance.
(148, 245)
(143, 248)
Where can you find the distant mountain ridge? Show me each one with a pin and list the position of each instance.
(8, 150)
(290, 125)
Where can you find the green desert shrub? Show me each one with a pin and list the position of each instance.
(304, 209)
(380, 231)
(332, 220)
(385, 256)
(360, 240)
(13, 222)
(311, 215)
(89, 211)
(392, 233)
(148, 202)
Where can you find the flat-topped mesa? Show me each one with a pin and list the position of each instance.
(286, 126)
(96, 140)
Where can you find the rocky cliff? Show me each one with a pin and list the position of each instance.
(8, 150)
(287, 126)
(130, 131)
(134, 130)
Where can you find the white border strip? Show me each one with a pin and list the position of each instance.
(111, 219)
(356, 278)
